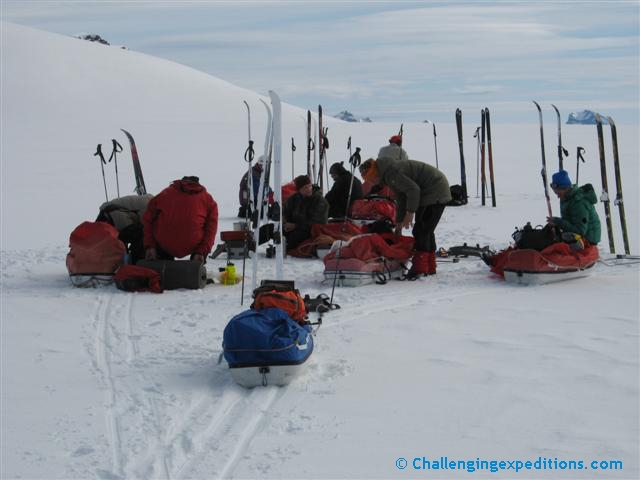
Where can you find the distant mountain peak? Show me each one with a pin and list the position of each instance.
(90, 37)
(585, 117)
(347, 116)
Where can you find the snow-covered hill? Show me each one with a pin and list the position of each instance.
(103, 384)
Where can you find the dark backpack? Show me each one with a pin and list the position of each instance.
(537, 238)
(457, 196)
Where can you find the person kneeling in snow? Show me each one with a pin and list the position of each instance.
(338, 196)
(577, 210)
(422, 192)
(125, 213)
(304, 208)
(181, 220)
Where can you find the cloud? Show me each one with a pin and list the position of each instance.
(382, 57)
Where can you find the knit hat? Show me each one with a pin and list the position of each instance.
(337, 169)
(397, 139)
(561, 180)
(301, 181)
(369, 169)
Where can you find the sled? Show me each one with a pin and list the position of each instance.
(555, 263)
(542, 278)
(266, 347)
(353, 272)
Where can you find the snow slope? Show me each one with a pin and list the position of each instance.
(102, 384)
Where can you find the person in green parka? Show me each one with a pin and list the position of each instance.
(303, 209)
(422, 193)
(577, 210)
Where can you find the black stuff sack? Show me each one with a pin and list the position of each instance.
(537, 238)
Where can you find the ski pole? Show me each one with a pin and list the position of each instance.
(309, 144)
(579, 158)
(117, 148)
(354, 161)
(435, 142)
(325, 141)
(293, 149)
(477, 135)
(102, 164)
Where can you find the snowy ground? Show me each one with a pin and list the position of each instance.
(102, 384)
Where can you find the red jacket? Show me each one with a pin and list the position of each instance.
(181, 220)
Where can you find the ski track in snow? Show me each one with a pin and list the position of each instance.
(103, 352)
(217, 430)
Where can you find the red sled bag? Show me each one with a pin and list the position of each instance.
(95, 254)
(374, 209)
(132, 278)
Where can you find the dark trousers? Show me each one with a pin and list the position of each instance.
(297, 236)
(426, 220)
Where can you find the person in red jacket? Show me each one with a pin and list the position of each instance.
(181, 220)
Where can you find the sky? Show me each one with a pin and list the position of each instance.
(391, 61)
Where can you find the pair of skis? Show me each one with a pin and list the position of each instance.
(317, 171)
(485, 140)
(562, 152)
(140, 188)
(619, 201)
(272, 153)
(484, 146)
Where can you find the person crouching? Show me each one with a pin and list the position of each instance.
(304, 208)
(181, 220)
(422, 191)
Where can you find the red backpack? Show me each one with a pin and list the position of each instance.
(374, 208)
(284, 298)
(132, 278)
(95, 254)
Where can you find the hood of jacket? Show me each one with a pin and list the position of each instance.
(185, 186)
(584, 192)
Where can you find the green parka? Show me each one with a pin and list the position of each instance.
(306, 211)
(415, 183)
(579, 214)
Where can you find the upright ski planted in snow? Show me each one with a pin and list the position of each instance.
(141, 189)
(277, 179)
(490, 151)
(463, 172)
(483, 156)
(562, 152)
(543, 172)
(260, 206)
(604, 197)
(619, 200)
